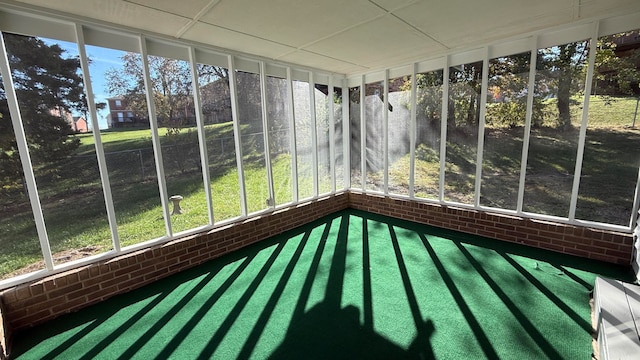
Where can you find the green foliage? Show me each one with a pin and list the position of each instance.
(170, 85)
(49, 87)
(616, 72)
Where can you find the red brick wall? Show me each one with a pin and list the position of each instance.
(39, 301)
(609, 246)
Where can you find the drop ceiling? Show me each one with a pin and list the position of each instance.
(341, 36)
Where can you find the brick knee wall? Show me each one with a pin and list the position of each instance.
(609, 246)
(39, 301)
(36, 302)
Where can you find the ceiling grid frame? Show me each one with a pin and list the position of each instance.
(333, 36)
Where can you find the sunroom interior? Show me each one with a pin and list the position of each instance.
(142, 138)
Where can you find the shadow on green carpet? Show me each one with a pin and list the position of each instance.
(352, 285)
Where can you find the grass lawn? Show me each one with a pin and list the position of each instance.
(75, 214)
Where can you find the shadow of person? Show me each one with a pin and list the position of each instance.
(325, 332)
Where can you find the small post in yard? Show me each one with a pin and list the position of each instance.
(175, 199)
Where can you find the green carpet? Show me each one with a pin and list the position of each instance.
(351, 286)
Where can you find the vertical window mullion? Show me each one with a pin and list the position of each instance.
(265, 131)
(413, 132)
(332, 144)
(292, 133)
(155, 137)
(443, 126)
(593, 45)
(385, 132)
(527, 122)
(25, 158)
(202, 135)
(97, 139)
(636, 204)
(314, 133)
(363, 136)
(233, 91)
(483, 112)
(346, 137)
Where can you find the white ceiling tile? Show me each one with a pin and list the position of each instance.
(183, 8)
(227, 39)
(589, 8)
(120, 13)
(391, 5)
(341, 36)
(291, 22)
(321, 62)
(382, 38)
(459, 23)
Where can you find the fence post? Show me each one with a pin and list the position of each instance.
(141, 163)
(635, 114)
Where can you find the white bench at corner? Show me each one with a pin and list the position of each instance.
(617, 314)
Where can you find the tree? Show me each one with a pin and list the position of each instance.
(171, 87)
(560, 74)
(617, 66)
(464, 95)
(48, 85)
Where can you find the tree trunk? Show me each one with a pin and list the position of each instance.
(471, 112)
(564, 99)
(565, 78)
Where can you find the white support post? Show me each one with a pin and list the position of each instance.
(636, 205)
(483, 112)
(265, 132)
(332, 134)
(314, 134)
(233, 91)
(155, 138)
(413, 129)
(292, 137)
(25, 158)
(385, 132)
(346, 136)
(443, 126)
(97, 140)
(202, 135)
(527, 123)
(363, 135)
(593, 49)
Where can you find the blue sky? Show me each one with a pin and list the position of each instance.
(102, 59)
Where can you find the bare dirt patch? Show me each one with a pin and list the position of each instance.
(58, 258)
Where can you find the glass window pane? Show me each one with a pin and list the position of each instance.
(116, 76)
(252, 140)
(465, 82)
(355, 142)
(279, 139)
(555, 128)
(610, 165)
(338, 142)
(175, 113)
(504, 130)
(321, 94)
(49, 87)
(215, 97)
(374, 120)
(399, 130)
(304, 146)
(428, 124)
(21, 252)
